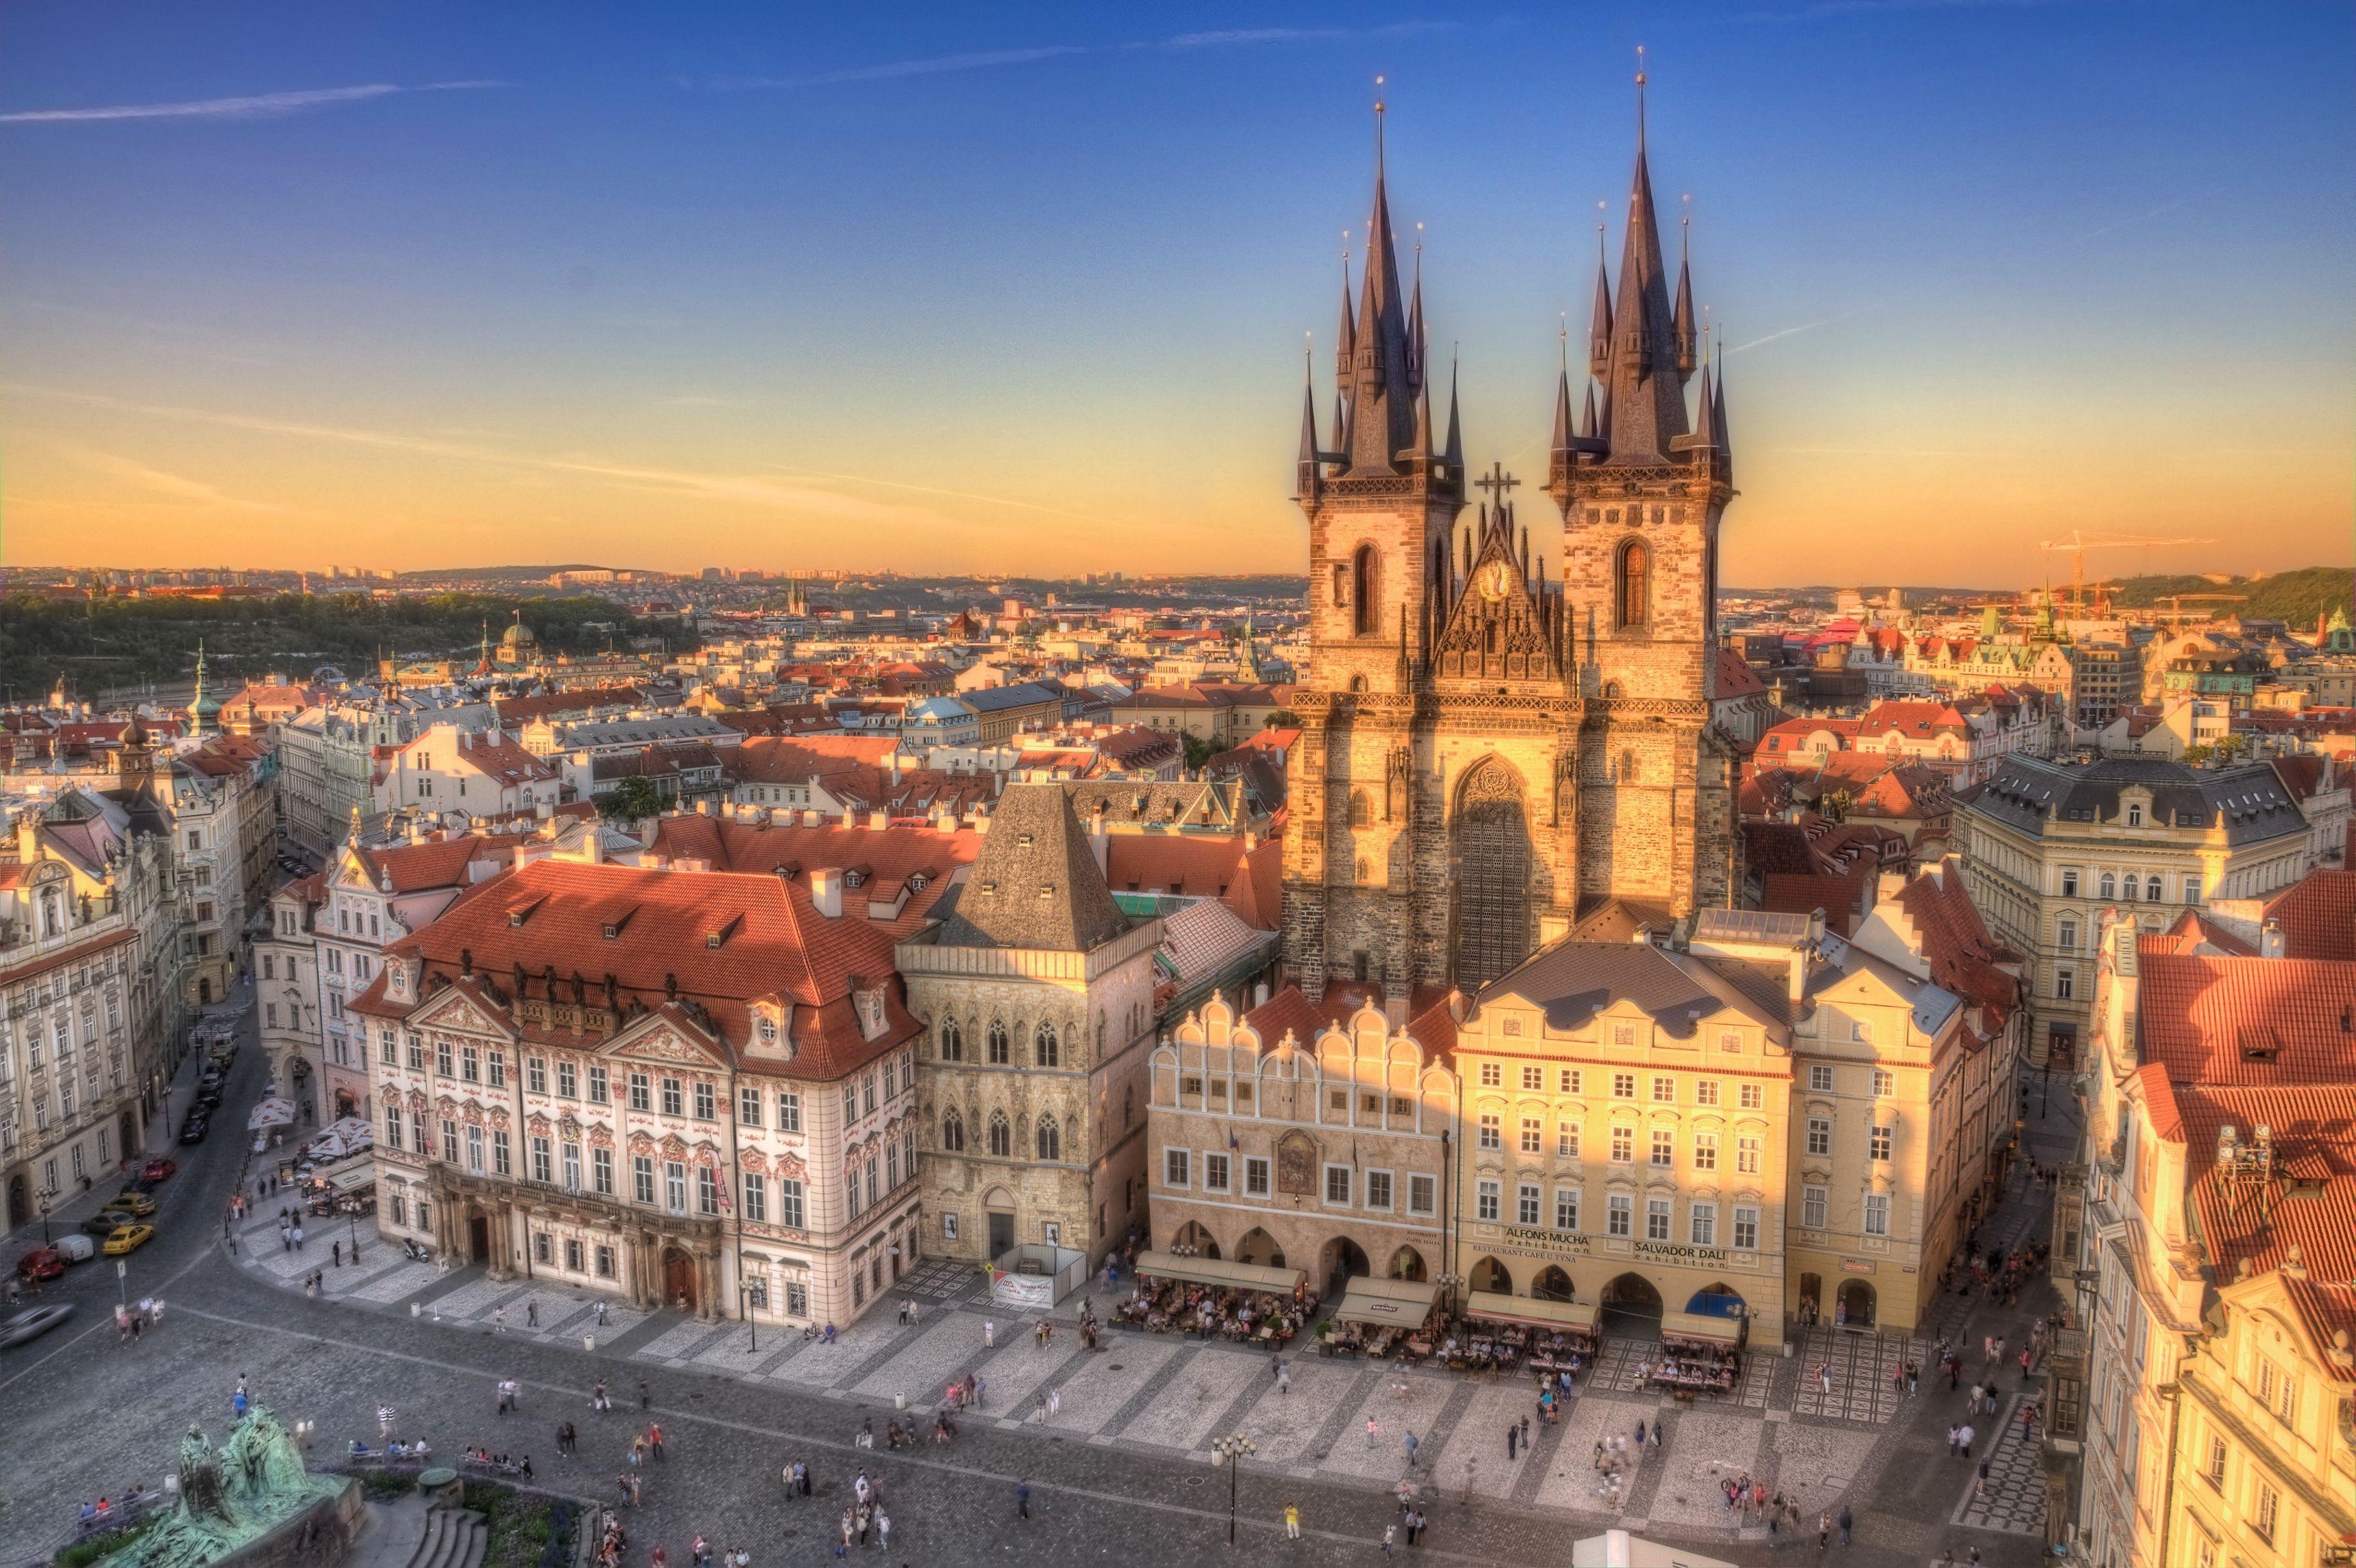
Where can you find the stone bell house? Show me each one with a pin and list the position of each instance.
(1305, 1136)
(685, 1086)
(1036, 993)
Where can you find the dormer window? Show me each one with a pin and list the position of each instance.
(2135, 815)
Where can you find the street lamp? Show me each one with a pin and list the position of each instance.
(1449, 1284)
(1230, 1450)
(48, 1195)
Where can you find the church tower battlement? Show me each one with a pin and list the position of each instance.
(1489, 759)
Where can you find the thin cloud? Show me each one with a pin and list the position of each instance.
(1795, 331)
(992, 60)
(170, 484)
(745, 490)
(1827, 10)
(251, 106)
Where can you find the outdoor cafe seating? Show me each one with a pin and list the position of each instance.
(1215, 1299)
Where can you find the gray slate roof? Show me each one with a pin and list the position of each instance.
(1035, 884)
(2252, 800)
(1572, 981)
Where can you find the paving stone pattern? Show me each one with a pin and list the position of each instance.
(2014, 1498)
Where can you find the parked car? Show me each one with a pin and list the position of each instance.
(159, 1169)
(129, 1239)
(41, 1263)
(193, 1130)
(136, 1204)
(33, 1323)
(103, 1224)
(75, 1248)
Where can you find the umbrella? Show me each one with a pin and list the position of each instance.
(272, 1112)
(327, 1147)
(355, 1131)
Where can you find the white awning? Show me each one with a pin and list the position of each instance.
(1386, 1303)
(1500, 1308)
(1701, 1329)
(1215, 1271)
(355, 1177)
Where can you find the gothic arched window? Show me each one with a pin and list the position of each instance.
(2109, 886)
(1627, 768)
(952, 1042)
(953, 1132)
(1632, 582)
(1001, 1136)
(1361, 809)
(1051, 1142)
(1044, 1047)
(998, 1053)
(1364, 591)
(2151, 891)
(1494, 850)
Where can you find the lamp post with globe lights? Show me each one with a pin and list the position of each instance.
(1230, 1450)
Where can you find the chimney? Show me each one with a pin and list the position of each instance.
(878, 821)
(1797, 987)
(826, 892)
(811, 819)
(2271, 942)
(1887, 886)
(1101, 846)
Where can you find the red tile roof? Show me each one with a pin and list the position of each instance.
(887, 858)
(1735, 678)
(2318, 915)
(1289, 1011)
(773, 943)
(2246, 1021)
(437, 862)
(1244, 874)
(2192, 930)
(1964, 956)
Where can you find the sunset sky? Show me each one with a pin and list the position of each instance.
(959, 288)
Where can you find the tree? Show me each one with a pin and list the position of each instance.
(1283, 718)
(2197, 754)
(1198, 750)
(636, 799)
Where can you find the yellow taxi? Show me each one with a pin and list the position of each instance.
(129, 1238)
(137, 1204)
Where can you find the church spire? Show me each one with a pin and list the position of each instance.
(1599, 331)
(1382, 396)
(1307, 475)
(1721, 430)
(1647, 407)
(1345, 341)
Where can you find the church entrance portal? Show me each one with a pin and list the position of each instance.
(679, 1279)
(1492, 875)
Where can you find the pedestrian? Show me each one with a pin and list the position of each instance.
(601, 1314)
(1824, 1533)
(1022, 1499)
(1845, 1522)
(1373, 1432)
(499, 1320)
(1963, 1437)
(1512, 1436)
(1283, 1379)
(1411, 1446)
(338, 1250)
(655, 1438)
(1054, 1401)
(1291, 1522)
(298, 1237)
(849, 1526)
(646, 1399)
(238, 1404)
(1415, 1525)
(1390, 1533)
(1952, 1444)
(1640, 1433)
(1979, 1487)
(882, 1527)
(989, 1335)
(531, 1312)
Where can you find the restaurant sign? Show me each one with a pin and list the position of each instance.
(1671, 1251)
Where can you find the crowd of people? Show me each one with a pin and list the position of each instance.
(1225, 1311)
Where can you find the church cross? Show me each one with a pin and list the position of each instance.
(1498, 483)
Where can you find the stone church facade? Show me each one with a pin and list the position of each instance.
(1490, 759)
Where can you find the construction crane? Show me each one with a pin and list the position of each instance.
(2078, 542)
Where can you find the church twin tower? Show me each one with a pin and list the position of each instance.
(1489, 758)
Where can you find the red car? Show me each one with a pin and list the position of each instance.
(41, 1263)
(158, 1169)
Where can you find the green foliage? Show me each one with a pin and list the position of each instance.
(2295, 597)
(636, 799)
(91, 1548)
(1198, 750)
(104, 642)
(2198, 753)
(1283, 718)
(522, 1524)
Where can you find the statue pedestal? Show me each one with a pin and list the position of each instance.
(441, 1488)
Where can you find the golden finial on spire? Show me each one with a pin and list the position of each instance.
(1640, 98)
(1378, 131)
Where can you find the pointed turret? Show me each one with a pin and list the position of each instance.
(1561, 445)
(1687, 332)
(1345, 340)
(1455, 450)
(1586, 420)
(1723, 431)
(1415, 360)
(1598, 330)
(1307, 475)
(1647, 406)
(1705, 431)
(1420, 451)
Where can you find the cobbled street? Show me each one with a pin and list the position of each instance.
(1119, 1466)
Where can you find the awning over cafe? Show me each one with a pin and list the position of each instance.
(1388, 1303)
(1530, 1309)
(1701, 1329)
(355, 1178)
(1214, 1272)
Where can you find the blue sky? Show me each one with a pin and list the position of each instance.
(952, 288)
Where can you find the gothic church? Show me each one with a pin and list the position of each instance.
(1490, 759)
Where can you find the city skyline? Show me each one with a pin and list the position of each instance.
(1032, 300)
